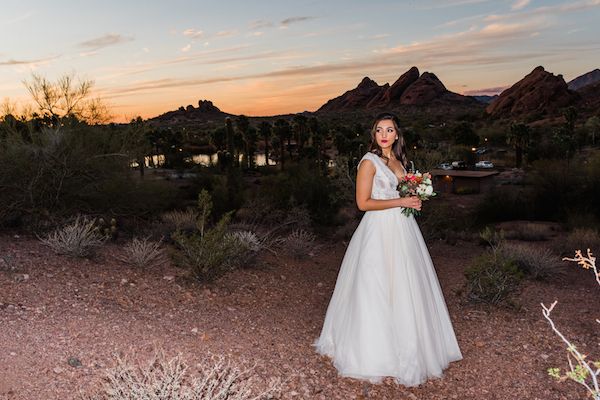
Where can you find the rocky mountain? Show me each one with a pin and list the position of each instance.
(486, 99)
(586, 79)
(410, 89)
(538, 92)
(590, 98)
(205, 112)
(358, 97)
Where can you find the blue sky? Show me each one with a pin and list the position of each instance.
(271, 57)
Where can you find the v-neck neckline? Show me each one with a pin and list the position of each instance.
(398, 179)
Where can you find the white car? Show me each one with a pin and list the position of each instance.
(484, 164)
(445, 166)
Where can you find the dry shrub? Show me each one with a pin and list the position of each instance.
(492, 278)
(180, 220)
(78, 239)
(300, 243)
(143, 252)
(529, 232)
(581, 238)
(534, 262)
(163, 379)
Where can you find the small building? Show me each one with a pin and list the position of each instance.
(461, 181)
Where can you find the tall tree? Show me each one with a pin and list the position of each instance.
(317, 135)
(518, 137)
(138, 142)
(282, 130)
(266, 130)
(66, 98)
(592, 125)
(301, 131)
(230, 141)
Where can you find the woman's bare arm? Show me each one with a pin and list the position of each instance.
(364, 184)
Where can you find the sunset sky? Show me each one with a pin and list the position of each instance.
(273, 57)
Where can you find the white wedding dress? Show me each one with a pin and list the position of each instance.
(387, 315)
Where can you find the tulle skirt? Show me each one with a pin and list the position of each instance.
(387, 315)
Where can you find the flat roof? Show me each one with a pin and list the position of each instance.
(463, 173)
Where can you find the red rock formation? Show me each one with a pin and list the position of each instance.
(358, 97)
(538, 92)
(409, 89)
(424, 90)
(394, 92)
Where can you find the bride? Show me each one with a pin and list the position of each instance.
(387, 315)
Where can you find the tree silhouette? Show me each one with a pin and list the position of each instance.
(518, 138)
(301, 131)
(282, 131)
(266, 130)
(66, 98)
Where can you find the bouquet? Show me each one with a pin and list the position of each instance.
(415, 184)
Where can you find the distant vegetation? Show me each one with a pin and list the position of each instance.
(59, 159)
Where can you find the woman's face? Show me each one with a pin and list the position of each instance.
(385, 133)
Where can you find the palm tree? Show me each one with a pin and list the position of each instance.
(317, 134)
(230, 140)
(266, 130)
(282, 130)
(593, 127)
(300, 126)
(518, 137)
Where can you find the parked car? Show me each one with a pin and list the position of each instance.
(445, 165)
(459, 164)
(484, 164)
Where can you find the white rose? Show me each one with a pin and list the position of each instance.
(429, 190)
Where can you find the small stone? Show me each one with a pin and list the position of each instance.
(545, 356)
(124, 281)
(230, 309)
(479, 343)
(168, 278)
(195, 330)
(13, 353)
(57, 370)
(74, 362)
(320, 284)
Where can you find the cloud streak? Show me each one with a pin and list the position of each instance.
(519, 4)
(293, 20)
(12, 62)
(110, 39)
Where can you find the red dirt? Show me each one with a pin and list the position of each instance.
(95, 309)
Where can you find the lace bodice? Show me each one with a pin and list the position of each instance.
(385, 181)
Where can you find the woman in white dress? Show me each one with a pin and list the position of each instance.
(387, 315)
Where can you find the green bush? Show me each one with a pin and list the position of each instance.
(504, 203)
(207, 257)
(51, 173)
(209, 252)
(303, 185)
(441, 220)
(492, 279)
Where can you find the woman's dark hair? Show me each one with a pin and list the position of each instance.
(399, 146)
